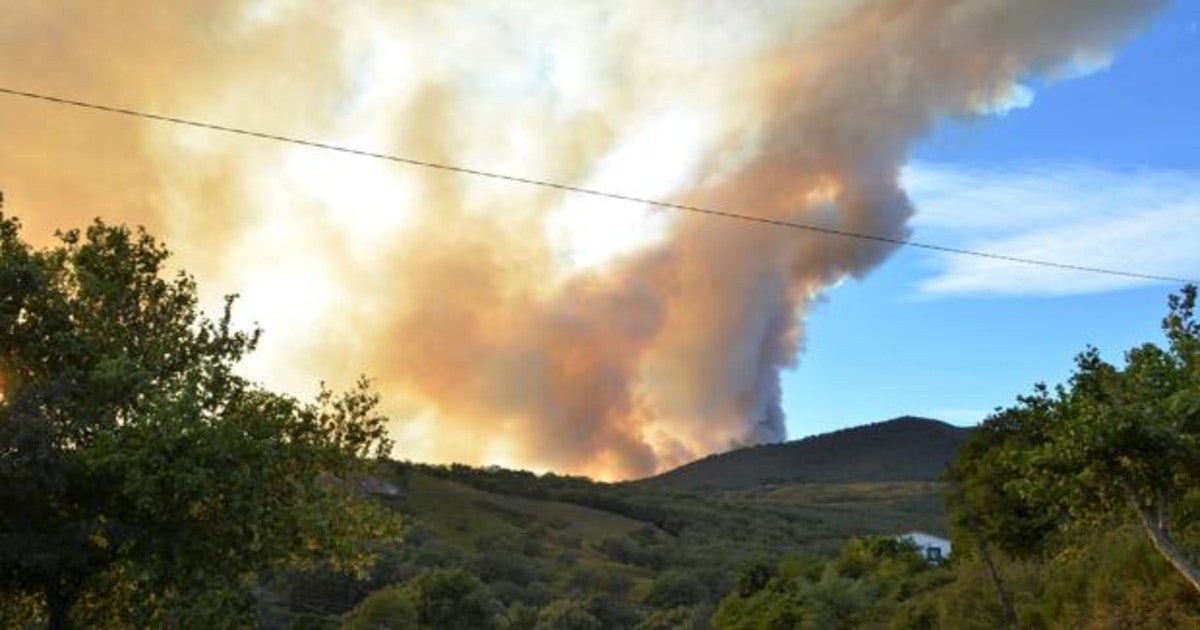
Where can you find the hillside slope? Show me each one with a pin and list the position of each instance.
(902, 449)
(628, 551)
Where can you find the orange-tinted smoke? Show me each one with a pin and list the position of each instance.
(455, 292)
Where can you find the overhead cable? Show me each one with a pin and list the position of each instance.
(589, 191)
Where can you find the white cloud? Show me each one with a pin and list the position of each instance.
(1140, 221)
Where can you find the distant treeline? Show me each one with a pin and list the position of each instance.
(622, 499)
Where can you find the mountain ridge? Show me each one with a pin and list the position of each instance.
(907, 448)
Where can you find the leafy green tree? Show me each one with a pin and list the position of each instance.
(777, 606)
(138, 472)
(754, 577)
(391, 608)
(985, 496)
(1112, 440)
(1108, 578)
(867, 582)
(882, 558)
(439, 598)
(453, 600)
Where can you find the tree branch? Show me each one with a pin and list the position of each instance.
(1156, 520)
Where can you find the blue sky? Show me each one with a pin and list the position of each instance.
(1101, 170)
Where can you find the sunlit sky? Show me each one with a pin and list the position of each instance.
(1102, 170)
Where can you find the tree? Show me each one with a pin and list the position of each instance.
(867, 582)
(135, 465)
(1112, 440)
(985, 497)
(454, 600)
(676, 587)
(390, 607)
(986, 503)
(450, 599)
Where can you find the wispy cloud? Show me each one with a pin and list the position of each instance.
(1145, 221)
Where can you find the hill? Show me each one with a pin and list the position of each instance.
(902, 449)
(629, 551)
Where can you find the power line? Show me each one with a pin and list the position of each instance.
(588, 191)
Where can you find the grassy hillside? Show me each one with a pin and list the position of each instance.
(903, 449)
(798, 517)
(628, 551)
(462, 513)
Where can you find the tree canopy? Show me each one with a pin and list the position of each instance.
(138, 471)
(1111, 441)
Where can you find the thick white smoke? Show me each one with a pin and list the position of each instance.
(509, 323)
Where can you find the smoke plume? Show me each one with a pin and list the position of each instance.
(506, 323)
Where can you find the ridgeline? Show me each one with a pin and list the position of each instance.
(898, 450)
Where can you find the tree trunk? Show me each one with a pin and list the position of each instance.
(1001, 592)
(59, 603)
(984, 552)
(1160, 535)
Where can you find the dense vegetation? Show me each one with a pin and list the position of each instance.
(144, 484)
(1075, 508)
(1110, 579)
(529, 544)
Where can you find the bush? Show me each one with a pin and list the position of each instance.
(453, 600)
(321, 590)
(626, 550)
(566, 614)
(677, 588)
(392, 608)
(494, 566)
(519, 616)
(668, 619)
(591, 578)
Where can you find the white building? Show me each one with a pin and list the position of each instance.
(932, 548)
